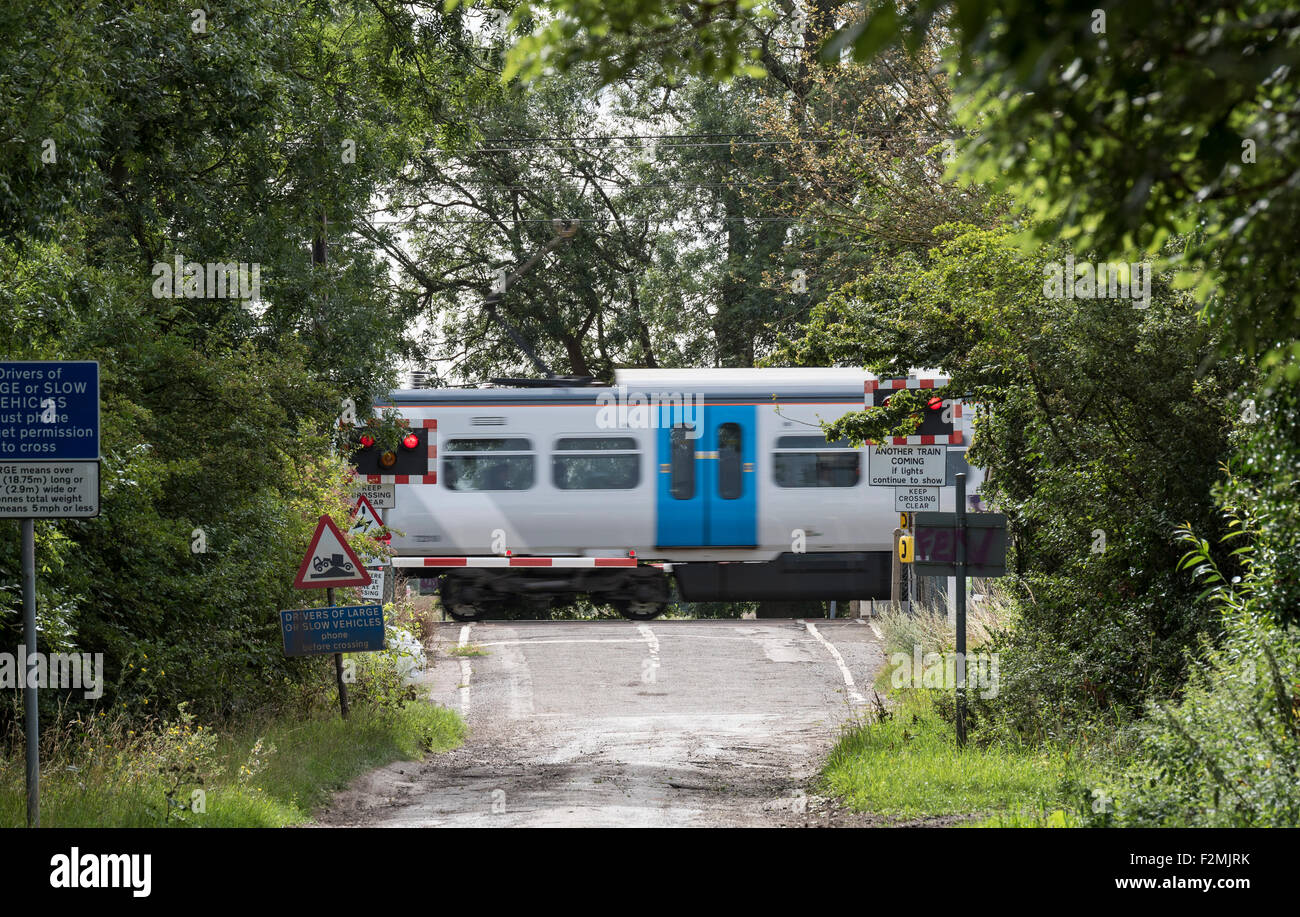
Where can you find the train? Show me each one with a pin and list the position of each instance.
(719, 482)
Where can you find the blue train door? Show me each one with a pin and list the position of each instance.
(707, 493)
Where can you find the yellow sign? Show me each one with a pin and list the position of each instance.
(903, 521)
(905, 549)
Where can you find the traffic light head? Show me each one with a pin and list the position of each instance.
(411, 457)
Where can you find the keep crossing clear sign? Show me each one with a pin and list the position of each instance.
(380, 496)
(916, 499)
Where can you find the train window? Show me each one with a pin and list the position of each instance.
(817, 469)
(803, 467)
(596, 463)
(681, 481)
(730, 481)
(488, 445)
(596, 444)
(810, 442)
(487, 464)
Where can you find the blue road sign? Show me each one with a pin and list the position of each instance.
(337, 629)
(49, 410)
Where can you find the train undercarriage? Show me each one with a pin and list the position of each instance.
(639, 593)
(644, 592)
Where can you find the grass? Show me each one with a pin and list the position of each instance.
(267, 774)
(907, 765)
(469, 649)
(904, 762)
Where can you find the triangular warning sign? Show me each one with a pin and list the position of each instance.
(364, 518)
(330, 561)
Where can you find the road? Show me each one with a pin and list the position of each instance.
(616, 723)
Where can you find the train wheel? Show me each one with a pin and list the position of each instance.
(640, 611)
(452, 597)
(465, 612)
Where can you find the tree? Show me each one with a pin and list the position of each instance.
(1117, 125)
(1101, 426)
(259, 133)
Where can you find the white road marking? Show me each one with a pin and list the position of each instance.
(651, 674)
(874, 629)
(465, 672)
(537, 642)
(660, 636)
(854, 696)
(520, 679)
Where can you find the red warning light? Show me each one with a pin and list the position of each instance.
(367, 441)
(410, 440)
(935, 403)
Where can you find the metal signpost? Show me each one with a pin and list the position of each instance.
(49, 469)
(958, 545)
(330, 562)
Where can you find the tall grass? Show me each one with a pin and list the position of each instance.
(927, 625)
(904, 761)
(107, 771)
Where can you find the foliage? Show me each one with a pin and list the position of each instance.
(1227, 751)
(705, 38)
(260, 137)
(109, 770)
(905, 763)
(386, 429)
(666, 267)
(1101, 427)
(1062, 101)
(385, 681)
(1062, 96)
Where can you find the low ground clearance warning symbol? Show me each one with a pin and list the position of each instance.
(330, 561)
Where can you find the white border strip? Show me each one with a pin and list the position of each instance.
(854, 696)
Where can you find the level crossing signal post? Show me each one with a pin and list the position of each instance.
(957, 544)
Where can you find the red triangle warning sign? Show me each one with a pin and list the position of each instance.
(330, 561)
(364, 518)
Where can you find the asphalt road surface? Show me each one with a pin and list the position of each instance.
(616, 723)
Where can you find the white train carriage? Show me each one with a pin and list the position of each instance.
(720, 478)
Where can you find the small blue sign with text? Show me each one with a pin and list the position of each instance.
(337, 629)
(49, 410)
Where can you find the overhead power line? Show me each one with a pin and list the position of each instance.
(602, 138)
(693, 141)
